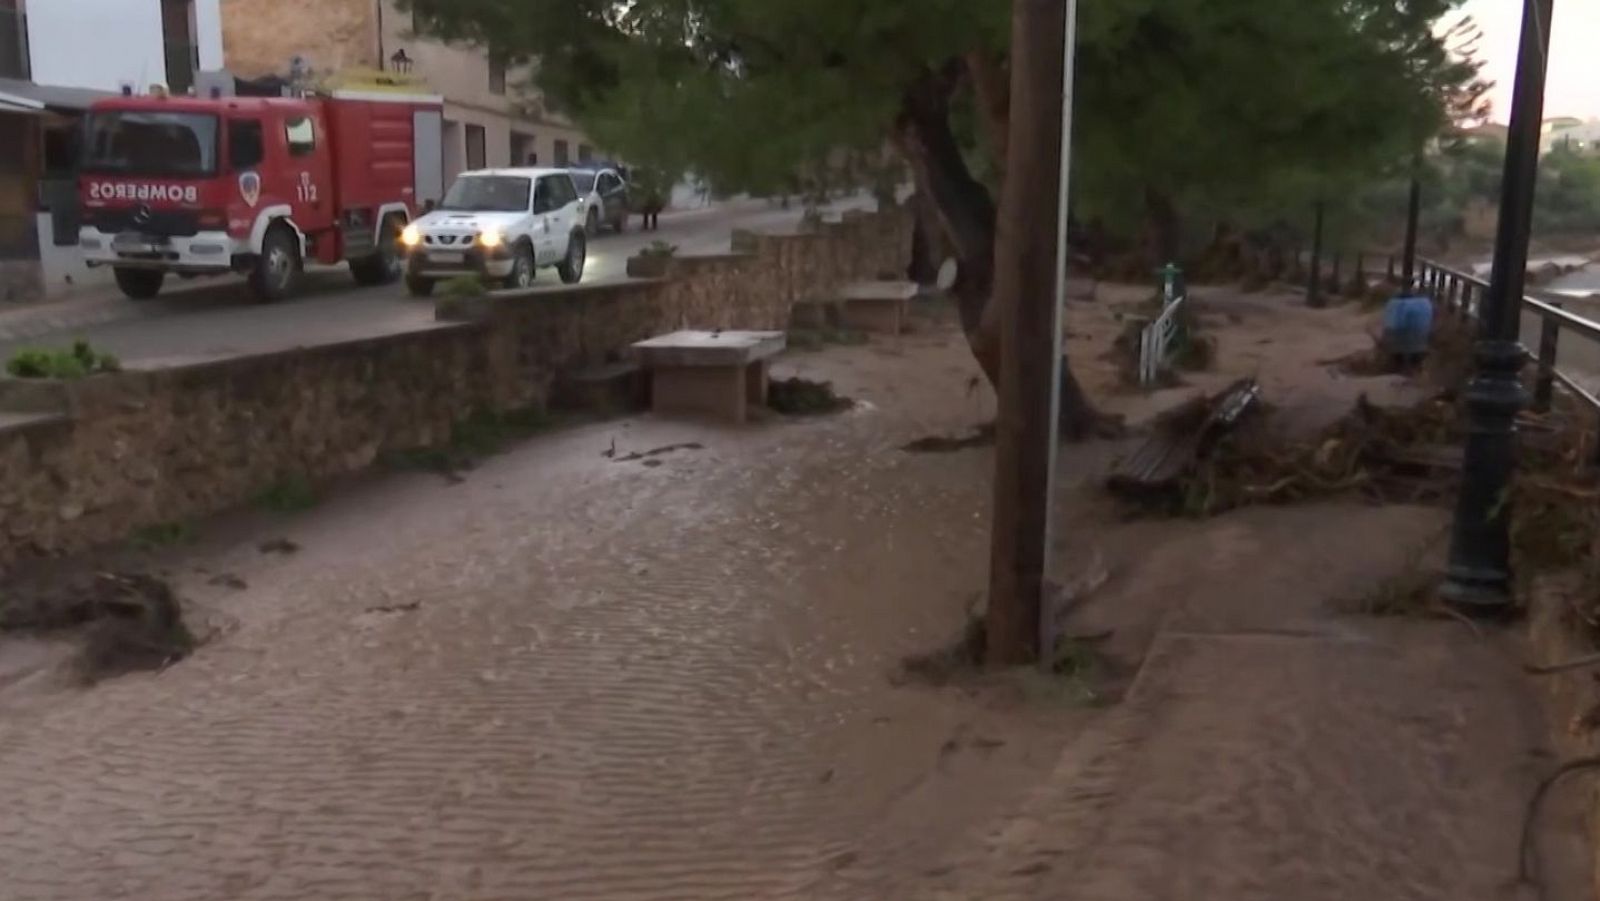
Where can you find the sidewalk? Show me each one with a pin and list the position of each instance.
(1272, 748)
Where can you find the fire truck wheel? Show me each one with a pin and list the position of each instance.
(417, 286)
(385, 266)
(277, 272)
(571, 268)
(140, 284)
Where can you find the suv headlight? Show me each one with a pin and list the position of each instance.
(411, 236)
(492, 238)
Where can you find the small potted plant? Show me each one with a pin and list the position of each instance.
(655, 261)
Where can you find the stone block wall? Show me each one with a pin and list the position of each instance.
(121, 452)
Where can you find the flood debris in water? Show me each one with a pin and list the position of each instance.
(979, 436)
(139, 627)
(650, 456)
(129, 621)
(803, 397)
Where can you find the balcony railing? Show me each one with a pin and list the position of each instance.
(14, 45)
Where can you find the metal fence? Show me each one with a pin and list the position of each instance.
(1461, 294)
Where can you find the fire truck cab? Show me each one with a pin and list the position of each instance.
(254, 186)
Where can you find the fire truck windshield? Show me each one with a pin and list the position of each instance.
(487, 194)
(151, 143)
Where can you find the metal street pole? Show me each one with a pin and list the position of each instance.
(1413, 215)
(1068, 66)
(1478, 580)
(1314, 286)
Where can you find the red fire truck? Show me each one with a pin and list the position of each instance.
(255, 186)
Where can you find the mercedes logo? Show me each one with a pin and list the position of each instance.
(142, 215)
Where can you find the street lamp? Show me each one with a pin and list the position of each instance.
(1478, 580)
(1413, 214)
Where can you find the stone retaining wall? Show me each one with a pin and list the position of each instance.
(121, 452)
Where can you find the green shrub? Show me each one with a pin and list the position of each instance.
(81, 361)
(465, 286)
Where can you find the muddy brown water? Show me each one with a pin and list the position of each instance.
(617, 681)
(577, 676)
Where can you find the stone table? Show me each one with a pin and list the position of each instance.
(712, 373)
(877, 306)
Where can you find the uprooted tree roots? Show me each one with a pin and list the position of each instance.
(1408, 455)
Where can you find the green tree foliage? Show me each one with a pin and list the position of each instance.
(1568, 201)
(1181, 104)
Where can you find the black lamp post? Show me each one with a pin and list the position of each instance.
(1479, 577)
(1314, 287)
(1413, 214)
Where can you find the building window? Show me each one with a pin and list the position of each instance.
(522, 150)
(585, 153)
(182, 51)
(563, 154)
(497, 74)
(477, 148)
(246, 146)
(14, 40)
(302, 135)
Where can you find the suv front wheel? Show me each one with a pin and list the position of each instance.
(571, 268)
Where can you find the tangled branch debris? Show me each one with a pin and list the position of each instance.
(130, 621)
(803, 397)
(1405, 455)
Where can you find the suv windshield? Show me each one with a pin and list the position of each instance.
(151, 143)
(488, 194)
(584, 182)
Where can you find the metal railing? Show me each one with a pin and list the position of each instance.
(1155, 341)
(1461, 294)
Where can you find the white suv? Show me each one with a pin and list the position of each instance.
(502, 225)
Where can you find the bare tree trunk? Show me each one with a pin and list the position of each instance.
(1165, 229)
(966, 215)
(991, 87)
(1025, 289)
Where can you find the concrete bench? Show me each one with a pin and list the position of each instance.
(720, 374)
(879, 307)
(610, 388)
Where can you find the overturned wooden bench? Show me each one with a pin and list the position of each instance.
(719, 374)
(880, 307)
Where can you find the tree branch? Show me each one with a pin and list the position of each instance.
(991, 85)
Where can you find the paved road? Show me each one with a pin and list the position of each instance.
(218, 319)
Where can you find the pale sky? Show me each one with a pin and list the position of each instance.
(1574, 79)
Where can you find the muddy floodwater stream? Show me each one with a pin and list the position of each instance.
(572, 675)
